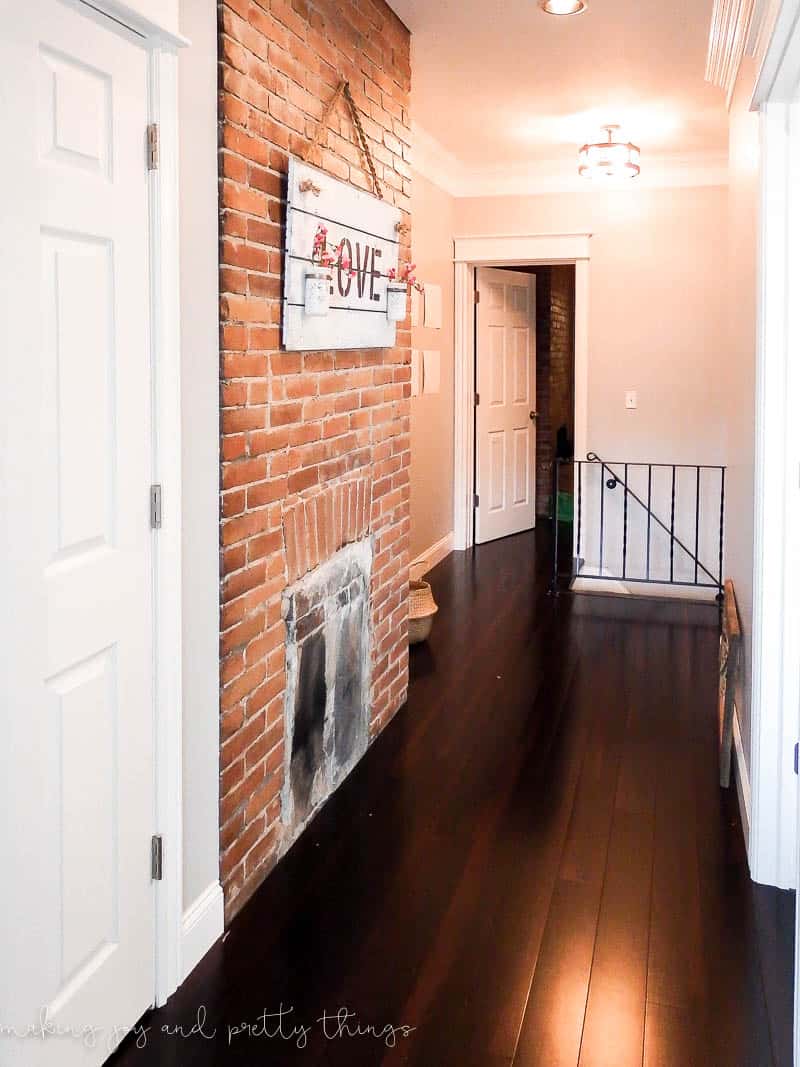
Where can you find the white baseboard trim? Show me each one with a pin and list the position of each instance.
(742, 781)
(428, 559)
(203, 922)
(611, 584)
(601, 582)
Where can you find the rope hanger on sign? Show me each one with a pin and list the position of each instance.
(343, 89)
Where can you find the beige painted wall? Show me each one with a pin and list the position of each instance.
(741, 311)
(432, 210)
(657, 311)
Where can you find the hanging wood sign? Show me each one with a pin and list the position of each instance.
(356, 314)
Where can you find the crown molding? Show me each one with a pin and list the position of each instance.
(546, 177)
(739, 28)
(779, 56)
(762, 26)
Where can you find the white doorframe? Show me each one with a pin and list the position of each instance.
(498, 251)
(166, 354)
(162, 44)
(776, 613)
(775, 710)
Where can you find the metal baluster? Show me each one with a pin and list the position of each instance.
(696, 526)
(625, 526)
(580, 501)
(649, 515)
(721, 526)
(672, 531)
(602, 510)
(554, 584)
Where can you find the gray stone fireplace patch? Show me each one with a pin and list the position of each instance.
(327, 680)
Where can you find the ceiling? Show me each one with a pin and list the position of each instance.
(499, 84)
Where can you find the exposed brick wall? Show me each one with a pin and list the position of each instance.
(294, 425)
(545, 440)
(555, 373)
(562, 350)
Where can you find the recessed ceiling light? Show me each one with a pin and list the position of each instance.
(563, 7)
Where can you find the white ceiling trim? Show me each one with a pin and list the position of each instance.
(528, 248)
(728, 40)
(544, 177)
(762, 24)
(778, 58)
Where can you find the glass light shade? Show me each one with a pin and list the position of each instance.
(611, 159)
(563, 7)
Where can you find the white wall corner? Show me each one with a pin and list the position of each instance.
(203, 923)
(433, 161)
(428, 559)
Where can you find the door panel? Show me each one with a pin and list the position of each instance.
(522, 451)
(505, 431)
(497, 471)
(78, 916)
(76, 274)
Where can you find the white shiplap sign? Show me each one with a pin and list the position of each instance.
(357, 316)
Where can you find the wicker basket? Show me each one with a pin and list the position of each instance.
(421, 609)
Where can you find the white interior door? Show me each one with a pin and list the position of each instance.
(77, 900)
(505, 426)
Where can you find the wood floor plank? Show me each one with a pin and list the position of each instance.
(774, 911)
(583, 864)
(553, 1023)
(613, 1032)
(586, 845)
(676, 965)
(672, 1038)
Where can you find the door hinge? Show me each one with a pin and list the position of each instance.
(476, 501)
(155, 507)
(152, 146)
(796, 757)
(156, 858)
(477, 399)
(477, 296)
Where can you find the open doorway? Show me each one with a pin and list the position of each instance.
(524, 418)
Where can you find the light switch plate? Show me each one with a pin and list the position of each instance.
(431, 371)
(631, 400)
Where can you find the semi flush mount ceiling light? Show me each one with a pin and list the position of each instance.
(563, 7)
(609, 159)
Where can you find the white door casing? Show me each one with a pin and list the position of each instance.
(774, 850)
(505, 426)
(77, 553)
(503, 250)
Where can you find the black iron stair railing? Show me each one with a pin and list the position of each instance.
(610, 479)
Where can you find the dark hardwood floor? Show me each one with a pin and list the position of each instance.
(533, 865)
